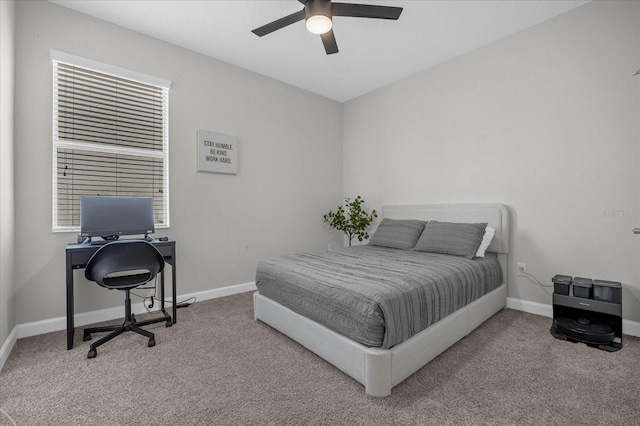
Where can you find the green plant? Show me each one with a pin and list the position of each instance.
(351, 219)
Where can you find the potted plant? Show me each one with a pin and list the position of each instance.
(351, 219)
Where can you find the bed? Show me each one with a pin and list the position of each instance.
(378, 354)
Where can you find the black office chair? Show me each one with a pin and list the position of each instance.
(124, 265)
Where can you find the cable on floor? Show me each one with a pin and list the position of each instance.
(4, 413)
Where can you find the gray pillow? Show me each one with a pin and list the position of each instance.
(460, 239)
(401, 234)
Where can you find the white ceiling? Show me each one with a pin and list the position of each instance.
(373, 52)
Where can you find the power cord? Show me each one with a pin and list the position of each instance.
(148, 305)
(183, 304)
(535, 280)
(4, 413)
(152, 299)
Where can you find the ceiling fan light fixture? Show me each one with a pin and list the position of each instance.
(318, 16)
(318, 24)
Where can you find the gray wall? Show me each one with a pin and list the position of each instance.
(7, 31)
(290, 167)
(546, 121)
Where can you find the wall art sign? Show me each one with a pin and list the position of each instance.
(217, 153)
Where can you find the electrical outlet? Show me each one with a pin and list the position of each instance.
(522, 269)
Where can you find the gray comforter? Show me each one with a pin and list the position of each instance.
(376, 296)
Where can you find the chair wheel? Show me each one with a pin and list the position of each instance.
(92, 353)
(152, 342)
(86, 337)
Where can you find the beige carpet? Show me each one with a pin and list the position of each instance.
(217, 366)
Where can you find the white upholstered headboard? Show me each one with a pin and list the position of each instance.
(496, 215)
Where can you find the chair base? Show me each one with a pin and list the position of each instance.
(115, 331)
(130, 324)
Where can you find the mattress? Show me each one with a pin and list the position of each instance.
(376, 296)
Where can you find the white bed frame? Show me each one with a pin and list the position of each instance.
(379, 370)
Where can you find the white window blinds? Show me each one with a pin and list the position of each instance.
(110, 137)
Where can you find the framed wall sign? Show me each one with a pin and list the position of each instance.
(217, 153)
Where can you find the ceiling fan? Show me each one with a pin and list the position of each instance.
(319, 14)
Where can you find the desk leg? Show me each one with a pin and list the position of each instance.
(173, 287)
(70, 325)
(162, 292)
(162, 308)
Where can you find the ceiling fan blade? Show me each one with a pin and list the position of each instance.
(365, 11)
(329, 41)
(279, 23)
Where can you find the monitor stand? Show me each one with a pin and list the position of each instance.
(105, 239)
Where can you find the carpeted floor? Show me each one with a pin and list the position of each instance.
(217, 366)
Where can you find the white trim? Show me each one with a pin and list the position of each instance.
(85, 318)
(60, 323)
(8, 344)
(68, 58)
(220, 292)
(54, 156)
(630, 328)
(165, 150)
(57, 143)
(531, 307)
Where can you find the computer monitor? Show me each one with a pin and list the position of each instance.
(111, 217)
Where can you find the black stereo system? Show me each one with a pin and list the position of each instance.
(587, 311)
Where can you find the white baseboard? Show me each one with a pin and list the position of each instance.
(631, 328)
(219, 292)
(531, 307)
(60, 323)
(5, 350)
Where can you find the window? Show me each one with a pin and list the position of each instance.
(110, 137)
